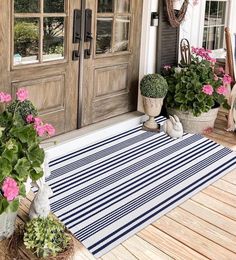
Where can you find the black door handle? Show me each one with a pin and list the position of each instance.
(88, 52)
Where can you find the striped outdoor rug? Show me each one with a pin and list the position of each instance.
(110, 190)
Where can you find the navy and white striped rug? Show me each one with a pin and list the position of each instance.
(110, 190)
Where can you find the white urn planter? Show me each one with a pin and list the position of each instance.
(193, 124)
(152, 107)
(7, 224)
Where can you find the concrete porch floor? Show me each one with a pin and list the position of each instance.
(203, 227)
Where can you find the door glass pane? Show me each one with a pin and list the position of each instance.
(54, 6)
(122, 24)
(26, 40)
(104, 35)
(122, 6)
(105, 6)
(26, 6)
(53, 40)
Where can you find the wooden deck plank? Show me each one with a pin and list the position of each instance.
(226, 186)
(119, 253)
(193, 240)
(168, 244)
(216, 205)
(221, 195)
(231, 177)
(144, 250)
(204, 228)
(210, 216)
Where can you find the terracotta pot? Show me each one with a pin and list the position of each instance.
(152, 107)
(193, 124)
(7, 224)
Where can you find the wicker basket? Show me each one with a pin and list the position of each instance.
(193, 124)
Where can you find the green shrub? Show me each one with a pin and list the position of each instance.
(45, 237)
(153, 86)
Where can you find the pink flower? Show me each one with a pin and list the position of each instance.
(40, 130)
(49, 129)
(5, 97)
(22, 94)
(167, 67)
(227, 79)
(222, 90)
(220, 70)
(29, 119)
(207, 89)
(201, 52)
(10, 189)
(37, 121)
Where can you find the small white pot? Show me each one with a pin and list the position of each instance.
(152, 107)
(7, 224)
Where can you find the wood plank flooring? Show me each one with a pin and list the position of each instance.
(203, 227)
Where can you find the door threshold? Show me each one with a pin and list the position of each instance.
(77, 139)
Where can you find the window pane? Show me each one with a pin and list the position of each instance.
(213, 12)
(26, 40)
(53, 40)
(26, 6)
(104, 35)
(221, 13)
(105, 6)
(122, 6)
(122, 33)
(207, 11)
(54, 6)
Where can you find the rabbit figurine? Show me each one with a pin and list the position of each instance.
(173, 127)
(40, 206)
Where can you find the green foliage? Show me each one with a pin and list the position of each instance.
(153, 86)
(185, 85)
(45, 237)
(20, 154)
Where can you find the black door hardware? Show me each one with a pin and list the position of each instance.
(77, 26)
(87, 33)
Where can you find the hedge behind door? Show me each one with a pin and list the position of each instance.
(36, 53)
(110, 73)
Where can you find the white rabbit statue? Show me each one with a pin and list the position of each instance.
(173, 127)
(40, 206)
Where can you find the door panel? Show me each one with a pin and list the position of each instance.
(37, 40)
(110, 76)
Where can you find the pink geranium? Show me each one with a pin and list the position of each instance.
(5, 97)
(203, 53)
(40, 130)
(227, 79)
(38, 121)
(22, 94)
(208, 89)
(222, 90)
(29, 119)
(49, 129)
(167, 67)
(10, 189)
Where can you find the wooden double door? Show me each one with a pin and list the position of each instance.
(79, 59)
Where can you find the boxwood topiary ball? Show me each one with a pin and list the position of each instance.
(154, 86)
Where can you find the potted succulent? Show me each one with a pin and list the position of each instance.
(47, 238)
(196, 91)
(153, 88)
(21, 157)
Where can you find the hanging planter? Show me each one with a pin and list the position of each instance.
(176, 10)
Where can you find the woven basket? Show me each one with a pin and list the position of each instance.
(193, 124)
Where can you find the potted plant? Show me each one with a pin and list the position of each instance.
(196, 90)
(21, 157)
(153, 88)
(47, 238)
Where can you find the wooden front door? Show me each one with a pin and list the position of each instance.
(110, 73)
(36, 53)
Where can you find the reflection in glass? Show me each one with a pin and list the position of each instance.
(122, 24)
(26, 40)
(221, 13)
(26, 6)
(53, 39)
(105, 6)
(54, 6)
(122, 6)
(104, 35)
(207, 11)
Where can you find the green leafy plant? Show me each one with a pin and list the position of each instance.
(45, 237)
(21, 157)
(196, 87)
(153, 86)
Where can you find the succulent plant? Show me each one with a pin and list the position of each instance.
(45, 237)
(154, 86)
